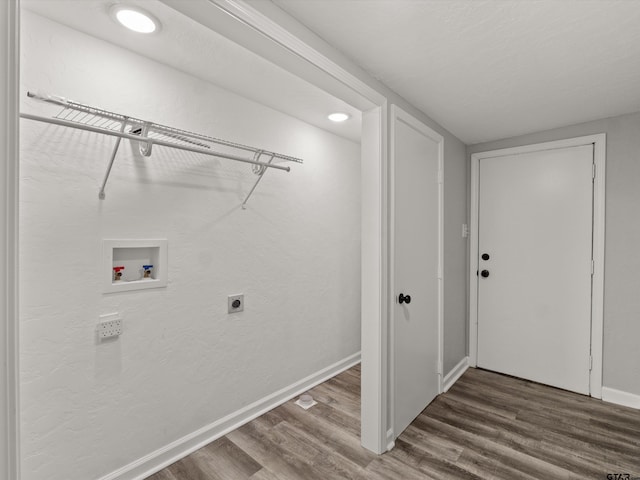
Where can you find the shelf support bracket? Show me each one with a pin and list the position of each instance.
(101, 194)
(259, 170)
(145, 147)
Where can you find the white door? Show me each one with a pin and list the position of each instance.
(534, 258)
(416, 161)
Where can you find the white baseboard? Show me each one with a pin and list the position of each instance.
(619, 397)
(455, 373)
(165, 456)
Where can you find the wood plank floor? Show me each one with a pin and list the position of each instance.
(487, 426)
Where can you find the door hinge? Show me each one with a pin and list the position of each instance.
(593, 267)
(593, 171)
(440, 176)
(590, 362)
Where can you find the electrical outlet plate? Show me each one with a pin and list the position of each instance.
(110, 325)
(230, 303)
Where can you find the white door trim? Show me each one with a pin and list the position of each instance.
(375, 386)
(597, 299)
(398, 113)
(245, 13)
(9, 138)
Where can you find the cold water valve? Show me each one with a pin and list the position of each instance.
(146, 269)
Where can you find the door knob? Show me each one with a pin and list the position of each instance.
(404, 299)
(484, 273)
(485, 256)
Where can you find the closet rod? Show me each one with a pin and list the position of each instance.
(148, 140)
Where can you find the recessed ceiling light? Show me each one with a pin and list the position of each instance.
(135, 19)
(338, 117)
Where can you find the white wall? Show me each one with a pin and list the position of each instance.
(455, 254)
(621, 355)
(182, 362)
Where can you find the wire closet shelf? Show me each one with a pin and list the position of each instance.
(85, 117)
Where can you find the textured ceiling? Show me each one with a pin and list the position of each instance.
(195, 49)
(490, 69)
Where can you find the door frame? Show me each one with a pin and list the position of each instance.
(9, 136)
(399, 115)
(597, 293)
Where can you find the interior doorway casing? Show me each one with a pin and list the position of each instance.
(597, 299)
(9, 419)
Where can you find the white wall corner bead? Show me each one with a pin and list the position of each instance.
(147, 134)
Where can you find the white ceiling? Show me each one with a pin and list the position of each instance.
(195, 49)
(491, 69)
